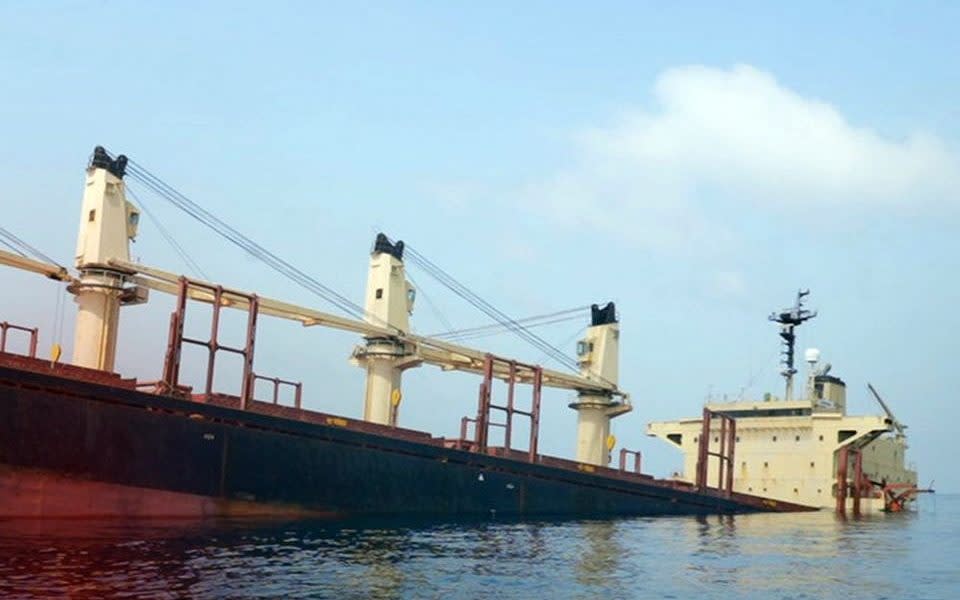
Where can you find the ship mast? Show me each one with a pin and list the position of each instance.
(789, 319)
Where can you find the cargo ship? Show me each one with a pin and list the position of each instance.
(79, 440)
(805, 449)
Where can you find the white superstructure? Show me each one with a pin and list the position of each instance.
(792, 449)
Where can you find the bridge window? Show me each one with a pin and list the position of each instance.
(845, 434)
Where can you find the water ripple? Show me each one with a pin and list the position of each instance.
(753, 556)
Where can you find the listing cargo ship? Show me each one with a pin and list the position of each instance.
(807, 450)
(78, 439)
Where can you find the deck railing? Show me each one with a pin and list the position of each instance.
(637, 457)
(5, 327)
(277, 383)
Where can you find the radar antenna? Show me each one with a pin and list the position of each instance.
(790, 318)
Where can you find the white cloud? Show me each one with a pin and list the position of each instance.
(656, 177)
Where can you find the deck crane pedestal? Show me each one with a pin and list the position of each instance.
(107, 224)
(598, 355)
(389, 302)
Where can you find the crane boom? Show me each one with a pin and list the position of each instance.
(34, 266)
(441, 353)
(897, 424)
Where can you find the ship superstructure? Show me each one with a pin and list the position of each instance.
(804, 449)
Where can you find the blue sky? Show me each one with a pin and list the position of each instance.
(695, 163)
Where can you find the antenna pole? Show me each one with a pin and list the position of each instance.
(789, 319)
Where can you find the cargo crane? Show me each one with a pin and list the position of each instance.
(108, 279)
(79, 440)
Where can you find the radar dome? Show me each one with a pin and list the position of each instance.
(812, 355)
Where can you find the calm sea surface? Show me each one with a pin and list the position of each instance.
(756, 556)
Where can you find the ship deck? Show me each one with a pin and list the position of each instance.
(34, 392)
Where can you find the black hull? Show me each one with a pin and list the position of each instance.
(76, 448)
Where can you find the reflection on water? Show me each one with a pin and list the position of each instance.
(768, 554)
(753, 556)
(599, 552)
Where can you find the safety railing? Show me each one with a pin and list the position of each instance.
(483, 423)
(637, 458)
(218, 297)
(277, 384)
(6, 327)
(727, 440)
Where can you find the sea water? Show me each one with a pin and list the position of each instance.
(810, 555)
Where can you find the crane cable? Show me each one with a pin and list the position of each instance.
(497, 315)
(167, 192)
(19, 246)
(534, 321)
(471, 297)
(13, 248)
(23, 248)
(498, 329)
(281, 266)
(165, 233)
(230, 234)
(433, 307)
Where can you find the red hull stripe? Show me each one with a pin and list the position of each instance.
(38, 494)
